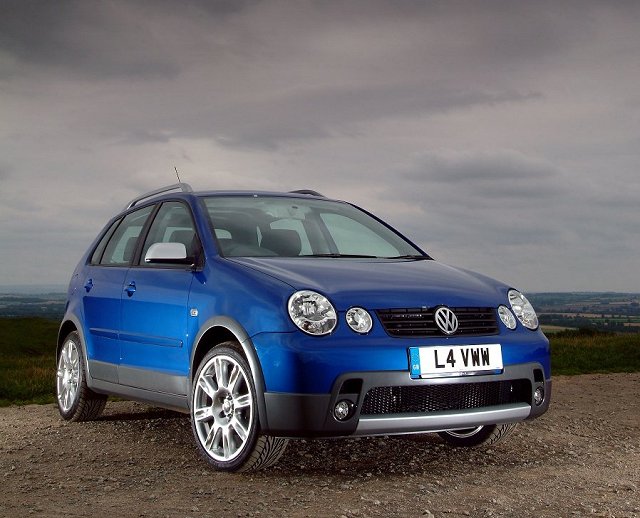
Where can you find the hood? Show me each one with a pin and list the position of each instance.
(380, 284)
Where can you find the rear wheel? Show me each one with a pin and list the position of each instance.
(224, 415)
(76, 401)
(478, 436)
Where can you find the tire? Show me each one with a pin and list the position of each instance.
(224, 414)
(76, 401)
(478, 437)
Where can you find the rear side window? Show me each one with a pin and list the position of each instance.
(122, 244)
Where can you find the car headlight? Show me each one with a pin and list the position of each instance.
(523, 309)
(312, 312)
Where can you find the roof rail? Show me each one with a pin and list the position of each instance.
(309, 192)
(184, 187)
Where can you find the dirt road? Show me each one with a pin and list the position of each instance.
(581, 459)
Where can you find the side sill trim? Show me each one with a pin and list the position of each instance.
(170, 401)
(152, 380)
(440, 421)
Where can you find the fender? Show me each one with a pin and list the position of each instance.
(240, 334)
(71, 318)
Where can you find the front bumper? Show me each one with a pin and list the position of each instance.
(456, 402)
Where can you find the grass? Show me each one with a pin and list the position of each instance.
(586, 351)
(27, 360)
(27, 357)
(551, 329)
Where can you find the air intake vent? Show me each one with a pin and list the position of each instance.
(437, 398)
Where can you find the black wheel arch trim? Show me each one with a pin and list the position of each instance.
(64, 331)
(240, 334)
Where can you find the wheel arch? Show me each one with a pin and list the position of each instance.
(222, 329)
(69, 325)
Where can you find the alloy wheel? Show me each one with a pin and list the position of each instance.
(223, 408)
(68, 375)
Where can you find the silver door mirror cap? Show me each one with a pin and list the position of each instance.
(166, 253)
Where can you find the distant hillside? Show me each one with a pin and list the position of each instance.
(619, 312)
(31, 289)
(45, 305)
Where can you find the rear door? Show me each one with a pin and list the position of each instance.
(103, 288)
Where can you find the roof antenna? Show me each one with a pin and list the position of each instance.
(176, 169)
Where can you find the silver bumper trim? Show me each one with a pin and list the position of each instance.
(439, 421)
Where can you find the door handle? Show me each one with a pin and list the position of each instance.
(88, 285)
(131, 288)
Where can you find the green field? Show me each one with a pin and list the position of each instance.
(27, 363)
(27, 360)
(588, 351)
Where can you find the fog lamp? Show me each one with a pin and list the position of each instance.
(507, 317)
(342, 410)
(359, 320)
(538, 396)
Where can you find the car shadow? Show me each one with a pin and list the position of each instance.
(143, 415)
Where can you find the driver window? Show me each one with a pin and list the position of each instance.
(173, 224)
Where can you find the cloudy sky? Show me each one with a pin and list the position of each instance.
(501, 136)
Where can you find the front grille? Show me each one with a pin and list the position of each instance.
(421, 321)
(436, 398)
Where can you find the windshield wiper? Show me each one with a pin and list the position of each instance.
(409, 256)
(348, 256)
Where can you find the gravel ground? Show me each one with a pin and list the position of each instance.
(581, 459)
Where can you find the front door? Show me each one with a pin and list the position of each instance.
(155, 309)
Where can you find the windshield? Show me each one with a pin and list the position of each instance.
(263, 226)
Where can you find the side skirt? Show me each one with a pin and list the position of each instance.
(164, 390)
(169, 401)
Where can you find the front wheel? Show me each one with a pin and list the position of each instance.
(478, 436)
(76, 401)
(224, 414)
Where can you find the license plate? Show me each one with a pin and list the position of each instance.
(454, 360)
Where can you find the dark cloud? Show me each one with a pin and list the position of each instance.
(493, 176)
(217, 8)
(317, 114)
(135, 39)
(93, 39)
(299, 116)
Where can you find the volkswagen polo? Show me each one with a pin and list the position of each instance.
(270, 316)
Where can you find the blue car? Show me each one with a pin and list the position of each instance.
(269, 316)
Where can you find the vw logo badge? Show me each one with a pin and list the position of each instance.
(446, 320)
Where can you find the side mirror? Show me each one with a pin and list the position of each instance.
(167, 253)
